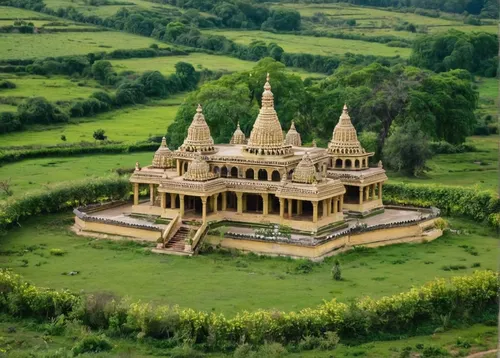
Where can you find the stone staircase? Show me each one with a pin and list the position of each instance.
(176, 243)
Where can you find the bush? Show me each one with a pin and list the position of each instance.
(57, 252)
(99, 134)
(337, 271)
(7, 84)
(92, 344)
(40, 111)
(9, 122)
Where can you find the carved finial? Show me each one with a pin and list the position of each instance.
(267, 77)
(238, 125)
(267, 85)
(199, 109)
(137, 166)
(345, 107)
(164, 142)
(380, 165)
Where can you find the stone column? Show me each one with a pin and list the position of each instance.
(244, 202)
(329, 206)
(239, 204)
(335, 205)
(214, 206)
(256, 174)
(178, 165)
(325, 208)
(282, 208)
(181, 202)
(265, 204)
(290, 207)
(367, 192)
(204, 210)
(361, 190)
(172, 200)
(315, 211)
(224, 201)
(373, 192)
(299, 207)
(151, 194)
(163, 200)
(380, 190)
(341, 203)
(343, 164)
(136, 193)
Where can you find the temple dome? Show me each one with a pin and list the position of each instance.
(266, 137)
(344, 138)
(238, 136)
(305, 171)
(163, 156)
(198, 138)
(198, 170)
(293, 137)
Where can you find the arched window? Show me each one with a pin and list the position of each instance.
(223, 172)
(276, 176)
(356, 163)
(234, 172)
(262, 174)
(338, 163)
(348, 163)
(185, 166)
(216, 170)
(249, 173)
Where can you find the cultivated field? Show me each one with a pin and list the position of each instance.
(229, 284)
(27, 46)
(313, 45)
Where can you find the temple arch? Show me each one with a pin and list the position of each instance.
(356, 163)
(276, 176)
(216, 170)
(185, 167)
(338, 163)
(223, 172)
(234, 172)
(348, 163)
(249, 173)
(262, 174)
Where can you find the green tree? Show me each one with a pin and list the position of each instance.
(99, 134)
(101, 70)
(39, 110)
(407, 149)
(337, 271)
(174, 30)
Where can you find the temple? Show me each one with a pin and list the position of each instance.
(266, 179)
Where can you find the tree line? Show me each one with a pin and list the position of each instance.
(385, 102)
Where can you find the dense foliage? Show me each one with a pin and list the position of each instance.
(461, 298)
(472, 203)
(442, 104)
(475, 52)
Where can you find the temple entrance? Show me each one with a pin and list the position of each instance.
(351, 195)
(348, 164)
(249, 174)
(253, 203)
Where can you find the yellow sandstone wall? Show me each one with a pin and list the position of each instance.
(125, 231)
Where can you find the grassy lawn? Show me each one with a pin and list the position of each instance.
(40, 174)
(26, 46)
(313, 45)
(465, 169)
(8, 12)
(55, 88)
(229, 284)
(129, 125)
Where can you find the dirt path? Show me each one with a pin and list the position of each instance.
(481, 354)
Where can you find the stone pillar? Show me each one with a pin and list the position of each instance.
(329, 206)
(215, 199)
(367, 192)
(204, 210)
(282, 208)
(299, 207)
(361, 191)
(325, 208)
(343, 164)
(136, 193)
(290, 207)
(178, 164)
(380, 190)
(239, 204)
(373, 192)
(163, 200)
(335, 205)
(224, 201)
(181, 206)
(151, 194)
(315, 211)
(341, 207)
(265, 204)
(172, 200)
(256, 174)
(244, 201)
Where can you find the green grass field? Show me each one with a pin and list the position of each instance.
(55, 88)
(465, 169)
(229, 284)
(40, 174)
(129, 125)
(313, 45)
(8, 12)
(26, 46)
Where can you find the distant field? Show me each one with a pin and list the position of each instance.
(8, 12)
(39, 174)
(488, 95)
(465, 169)
(493, 29)
(63, 44)
(128, 125)
(53, 89)
(314, 45)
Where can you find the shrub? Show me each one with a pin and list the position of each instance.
(92, 344)
(329, 341)
(99, 134)
(337, 271)
(441, 224)
(40, 111)
(272, 350)
(7, 84)
(57, 252)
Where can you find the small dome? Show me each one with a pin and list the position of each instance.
(238, 136)
(293, 137)
(305, 172)
(344, 138)
(198, 138)
(163, 156)
(198, 170)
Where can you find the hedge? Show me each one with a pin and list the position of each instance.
(65, 151)
(478, 205)
(62, 197)
(463, 298)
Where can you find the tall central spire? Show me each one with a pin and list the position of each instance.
(266, 137)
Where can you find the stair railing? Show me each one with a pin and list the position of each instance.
(169, 230)
(197, 237)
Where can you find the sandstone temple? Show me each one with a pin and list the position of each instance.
(271, 194)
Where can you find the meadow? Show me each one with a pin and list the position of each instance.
(313, 45)
(8, 12)
(227, 283)
(29, 46)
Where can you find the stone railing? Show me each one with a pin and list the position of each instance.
(197, 238)
(92, 208)
(87, 218)
(168, 233)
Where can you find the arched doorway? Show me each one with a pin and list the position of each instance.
(338, 163)
(276, 176)
(185, 166)
(249, 174)
(348, 163)
(223, 172)
(216, 170)
(234, 172)
(262, 174)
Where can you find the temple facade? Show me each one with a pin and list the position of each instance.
(268, 177)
